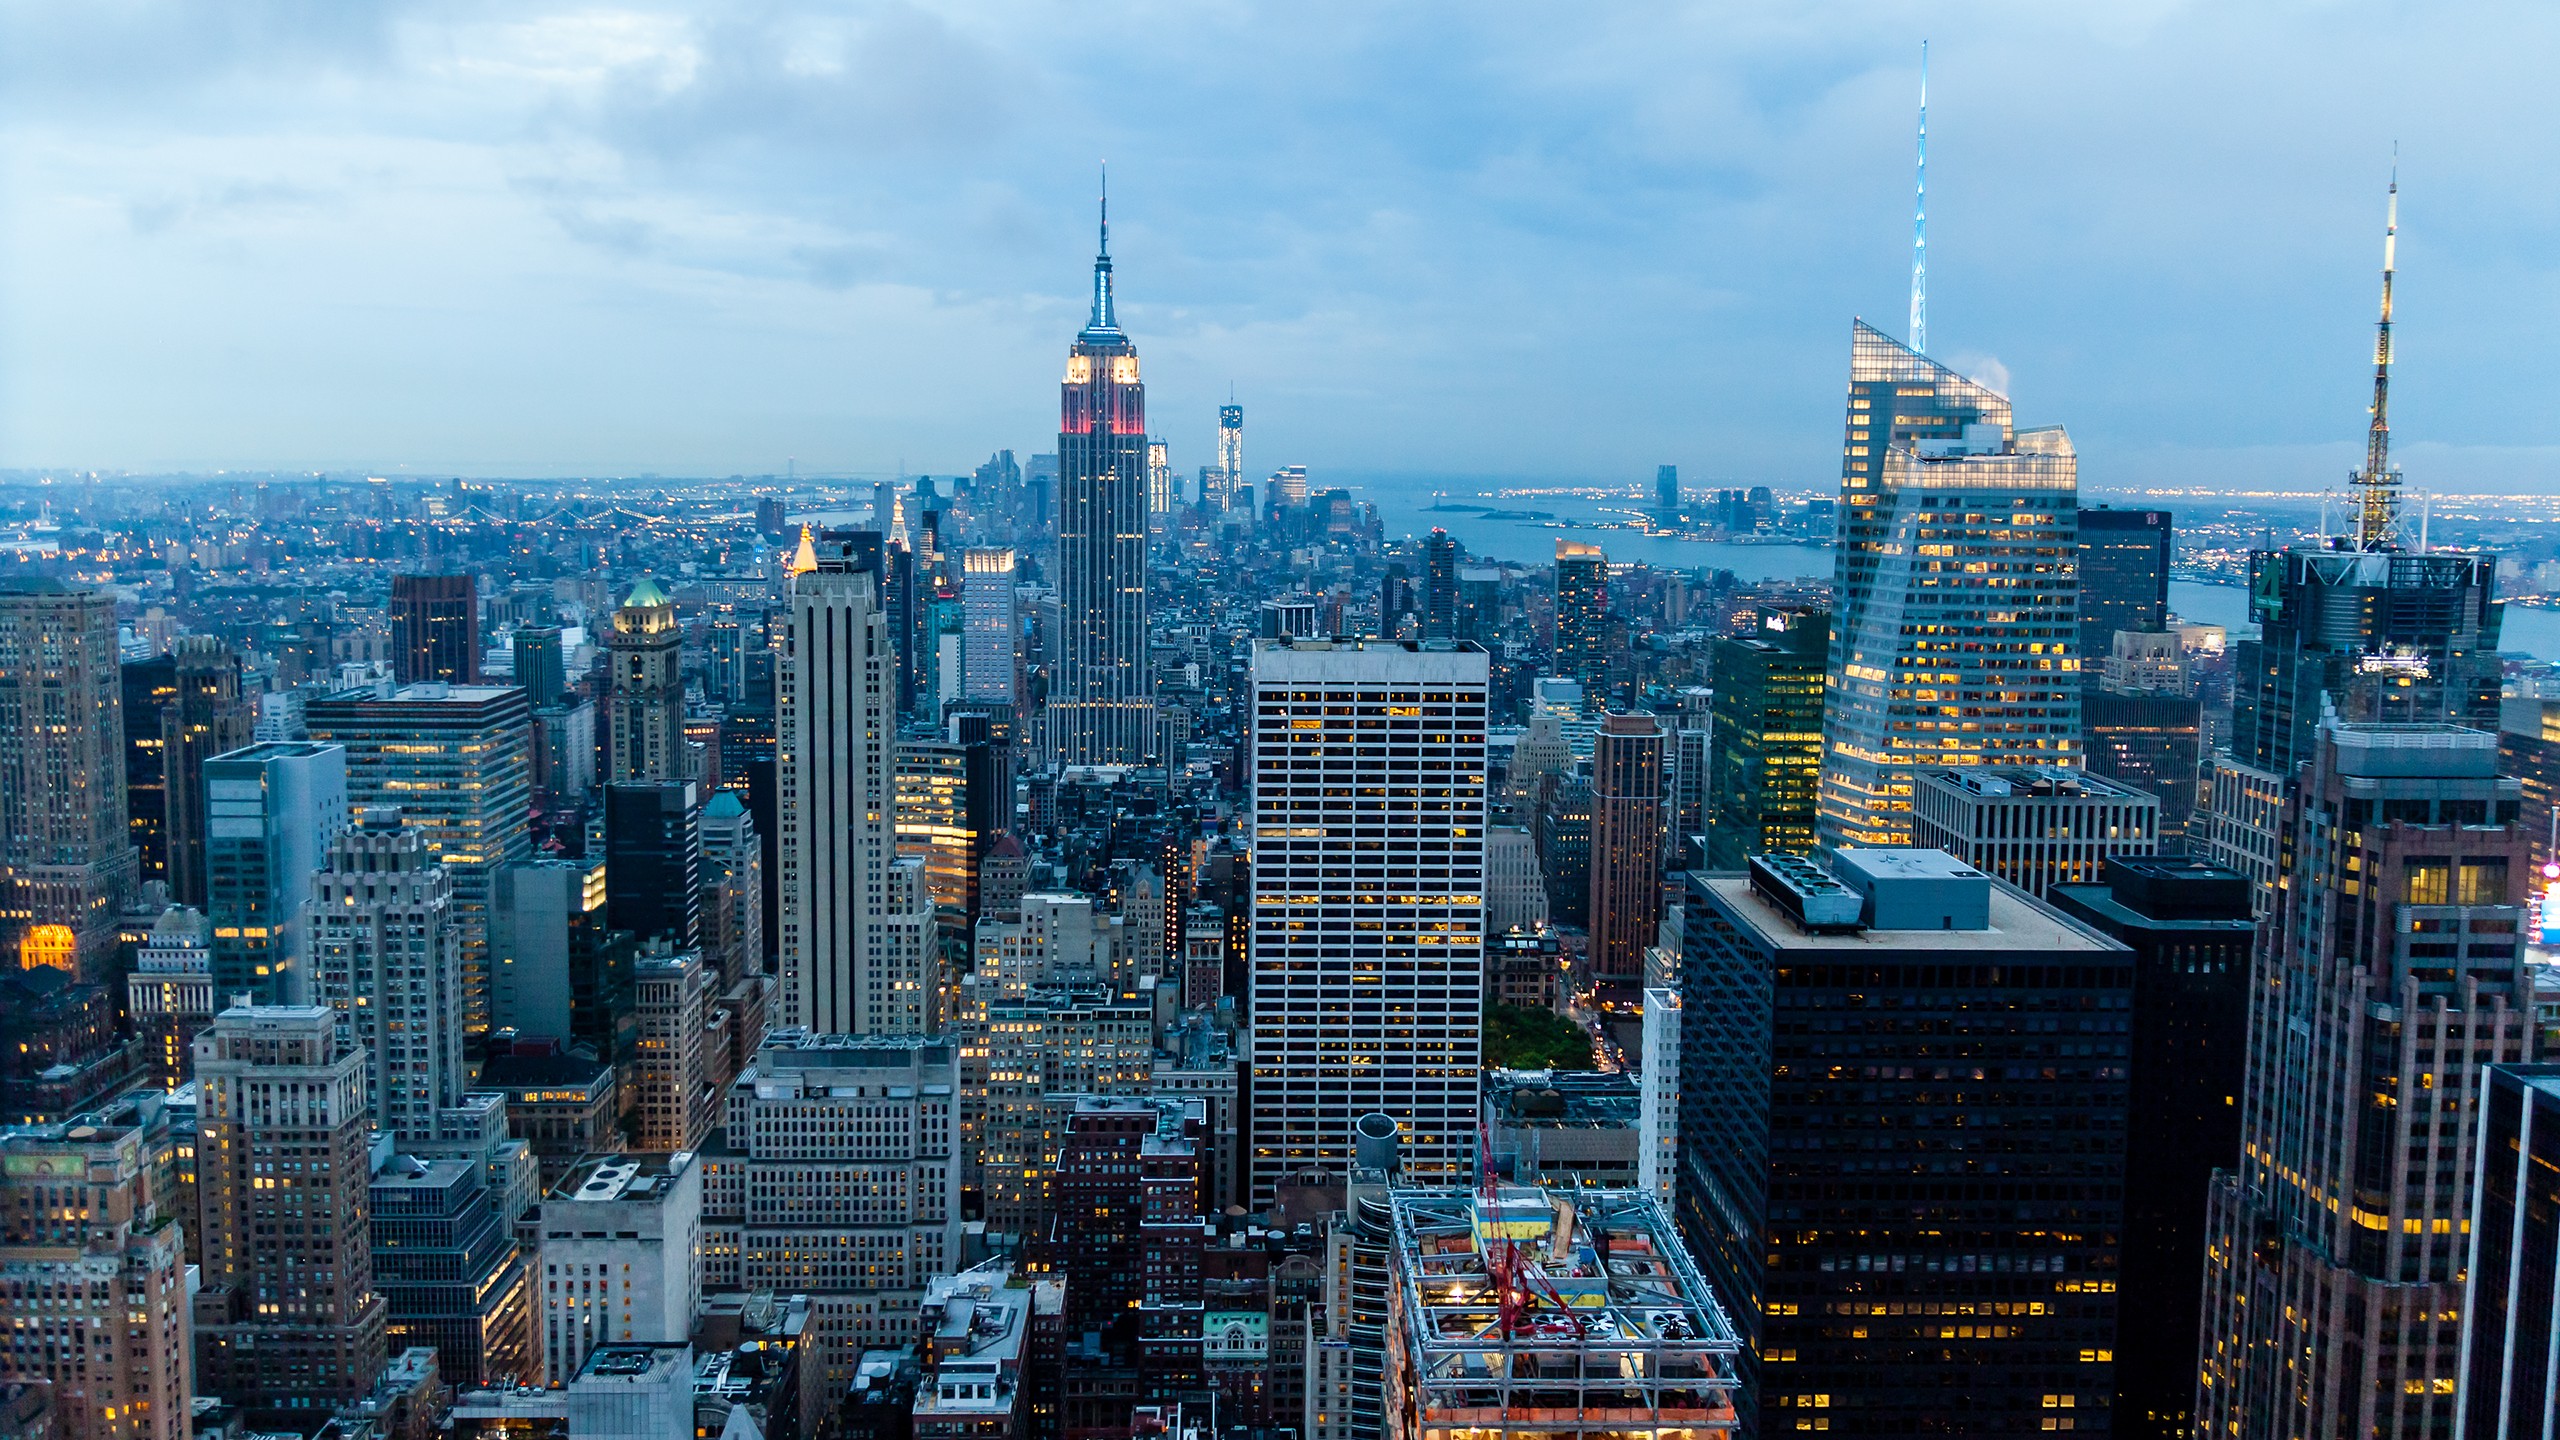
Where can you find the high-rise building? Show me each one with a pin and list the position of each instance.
(1582, 615)
(1626, 845)
(854, 918)
(2033, 827)
(148, 687)
(1765, 743)
(451, 1274)
(1440, 586)
(98, 1273)
(1892, 1253)
(1230, 453)
(2153, 743)
(621, 1237)
(1658, 1096)
(988, 662)
(2124, 575)
(1160, 490)
(288, 1319)
(386, 959)
(272, 811)
(1368, 902)
(454, 759)
(66, 856)
(644, 650)
(1102, 698)
(2188, 925)
(653, 861)
(435, 629)
(207, 716)
(1957, 613)
(2509, 1373)
(668, 1080)
(560, 971)
(170, 993)
(541, 670)
(1666, 492)
(732, 887)
(2391, 978)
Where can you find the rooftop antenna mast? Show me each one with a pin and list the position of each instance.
(2378, 484)
(1920, 221)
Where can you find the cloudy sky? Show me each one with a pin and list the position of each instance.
(1490, 238)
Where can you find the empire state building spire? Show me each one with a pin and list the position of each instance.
(1101, 707)
(1105, 321)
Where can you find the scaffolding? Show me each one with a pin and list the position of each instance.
(1522, 1313)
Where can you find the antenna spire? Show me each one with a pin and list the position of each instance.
(1104, 317)
(2378, 484)
(1920, 220)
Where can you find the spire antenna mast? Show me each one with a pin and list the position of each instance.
(1920, 220)
(2378, 485)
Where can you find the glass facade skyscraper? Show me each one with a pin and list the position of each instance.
(1582, 614)
(1765, 742)
(1101, 708)
(2124, 575)
(1958, 611)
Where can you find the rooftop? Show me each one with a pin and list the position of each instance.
(2017, 923)
(2034, 782)
(1561, 1098)
(622, 1177)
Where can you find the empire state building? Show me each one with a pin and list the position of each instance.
(1102, 702)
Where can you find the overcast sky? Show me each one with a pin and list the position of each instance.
(1564, 241)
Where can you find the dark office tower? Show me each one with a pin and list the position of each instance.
(148, 686)
(1582, 620)
(2391, 978)
(2191, 934)
(435, 629)
(1564, 850)
(1626, 845)
(1947, 591)
(653, 860)
(1440, 587)
(644, 649)
(2510, 1370)
(2154, 743)
(1666, 492)
(207, 716)
(1928, 1230)
(66, 864)
(2124, 576)
(770, 522)
(540, 671)
(1396, 600)
(1765, 743)
(288, 1320)
(1101, 701)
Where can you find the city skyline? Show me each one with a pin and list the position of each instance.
(713, 279)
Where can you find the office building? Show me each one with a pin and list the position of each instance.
(1966, 1218)
(2188, 926)
(618, 1258)
(564, 1104)
(272, 811)
(1564, 850)
(2124, 575)
(435, 629)
(1582, 615)
(453, 759)
(451, 1275)
(668, 1080)
(1518, 1305)
(1957, 614)
(97, 1275)
(387, 962)
(993, 627)
(1101, 695)
(206, 716)
(2153, 743)
(1569, 1129)
(541, 670)
(733, 884)
(1691, 778)
(170, 993)
(653, 861)
(1159, 478)
(562, 972)
(1658, 1097)
(288, 1319)
(1368, 913)
(2511, 1307)
(1626, 845)
(1439, 586)
(1765, 743)
(66, 856)
(148, 687)
(854, 918)
(2391, 979)
(1515, 893)
(1230, 456)
(644, 650)
(2244, 815)
(1666, 493)
(2033, 827)
(621, 1392)
(946, 816)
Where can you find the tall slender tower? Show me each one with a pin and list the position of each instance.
(1102, 709)
(1920, 220)
(435, 629)
(645, 646)
(2378, 485)
(207, 717)
(1626, 845)
(1582, 614)
(1230, 451)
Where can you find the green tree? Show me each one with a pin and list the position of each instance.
(1520, 1037)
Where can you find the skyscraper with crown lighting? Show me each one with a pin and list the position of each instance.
(1102, 707)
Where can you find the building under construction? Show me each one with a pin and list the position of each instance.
(1521, 1313)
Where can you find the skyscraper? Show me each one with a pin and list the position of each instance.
(1626, 845)
(273, 810)
(65, 858)
(2124, 576)
(653, 861)
(854, 919)
(1368, 902)
(987, 600)
(148, 687)
(1159, 478)
(1765, 745)
(2509, 1371)
(205, 717)
(435, 629)
(387, 961)
(1230, 452)
(2389, 980)
(644, 648)
(1439, 586)
(1101, 704)
(288, 1318)
(1582, 614)
(1666, 492)
(1957, 611)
